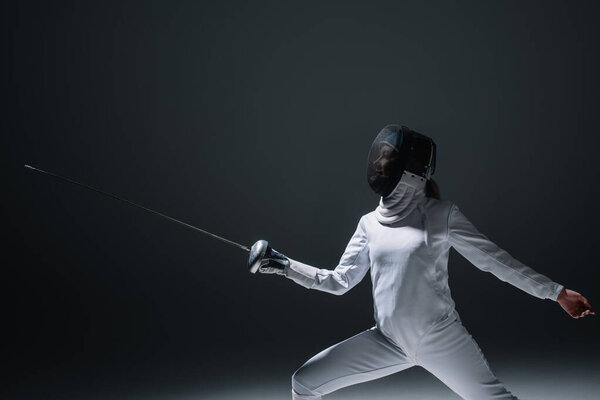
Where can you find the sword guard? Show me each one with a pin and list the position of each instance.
(257, 253)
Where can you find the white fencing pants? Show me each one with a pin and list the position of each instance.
(448, 352)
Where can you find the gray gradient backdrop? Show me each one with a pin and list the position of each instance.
(253, 120)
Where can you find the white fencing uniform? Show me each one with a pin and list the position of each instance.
(416, 322)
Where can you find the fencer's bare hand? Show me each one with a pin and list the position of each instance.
(574, 303)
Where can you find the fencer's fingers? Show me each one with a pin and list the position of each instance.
(586, 305)
(586, 302)
(587, 312)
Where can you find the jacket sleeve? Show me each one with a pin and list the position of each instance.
(487, 256)
(351, 269)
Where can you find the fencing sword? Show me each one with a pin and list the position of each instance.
(257, 251)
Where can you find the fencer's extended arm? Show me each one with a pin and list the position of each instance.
(352, 267)
(487, 256)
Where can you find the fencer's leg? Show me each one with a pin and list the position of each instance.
(363, 357)
(451, 354)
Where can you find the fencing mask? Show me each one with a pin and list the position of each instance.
(396, 149)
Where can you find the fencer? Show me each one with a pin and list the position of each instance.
(405, 243)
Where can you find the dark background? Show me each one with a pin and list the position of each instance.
(253, 120)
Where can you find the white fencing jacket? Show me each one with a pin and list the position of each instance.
(408, 260)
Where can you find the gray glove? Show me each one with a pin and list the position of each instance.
(273, 262)
(264, 259)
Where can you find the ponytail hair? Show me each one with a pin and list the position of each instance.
(432, 189)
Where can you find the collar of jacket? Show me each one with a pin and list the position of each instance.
(406, 196)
